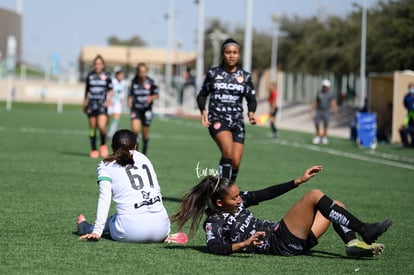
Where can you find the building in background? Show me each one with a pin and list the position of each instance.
(129, 57)
(10, 25)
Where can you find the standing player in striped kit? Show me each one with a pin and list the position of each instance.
(142, 94)
(227, 85)
(98, 94)
(140, 214)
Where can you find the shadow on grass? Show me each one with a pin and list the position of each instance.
(329, 255)
(313, 253)
(76, 154)
(104, 236)
(171, 199)
(203, 249)
(199, 248)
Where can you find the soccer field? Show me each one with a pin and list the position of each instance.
(47, 179)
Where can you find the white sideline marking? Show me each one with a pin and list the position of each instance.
(347, 155)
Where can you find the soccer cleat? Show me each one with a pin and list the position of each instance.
(325, 140)
(179, 238)
(94, 154)
(358, 249)
(316, 140)
(371, 231)
(103, 150)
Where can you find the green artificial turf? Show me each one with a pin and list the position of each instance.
(47, 179)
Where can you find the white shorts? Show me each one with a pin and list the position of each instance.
(115, 108)
(150, 227)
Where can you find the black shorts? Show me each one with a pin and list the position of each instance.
(93, 110)
(284, 243)
(144, 115)
(236, 128)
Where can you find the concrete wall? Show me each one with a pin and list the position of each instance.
(41, 91)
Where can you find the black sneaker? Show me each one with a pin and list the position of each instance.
(372, 231)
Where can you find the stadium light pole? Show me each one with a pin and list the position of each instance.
(216, 36)
(363, 52)
(273, 65)
(170, 45)
(247, 56)
(200, 44)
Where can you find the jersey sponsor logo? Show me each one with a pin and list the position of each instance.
(217, 125)
(229, 109)
(218, 77)
(147, 202)
(97, 82)
(240, 78)
(97, 89)
(295, 246)
(226, 98)
(228, 86)
(145, 195)
(338, 217)
(209, 234)
(246, 223)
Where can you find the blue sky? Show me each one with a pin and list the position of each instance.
(63, 27)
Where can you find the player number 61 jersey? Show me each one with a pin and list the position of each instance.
(135, 187)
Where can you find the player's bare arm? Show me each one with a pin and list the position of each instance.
(308, 174)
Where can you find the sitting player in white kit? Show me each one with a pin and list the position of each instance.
(129, 177)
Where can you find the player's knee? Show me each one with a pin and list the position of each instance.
(339, 203)
(314, 195)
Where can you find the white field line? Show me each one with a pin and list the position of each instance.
(394, 163)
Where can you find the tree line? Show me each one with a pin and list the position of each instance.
(317, 45)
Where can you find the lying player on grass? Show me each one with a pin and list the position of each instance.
(230, 227)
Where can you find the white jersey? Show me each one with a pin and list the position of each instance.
(119, 90)
(137, 195)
